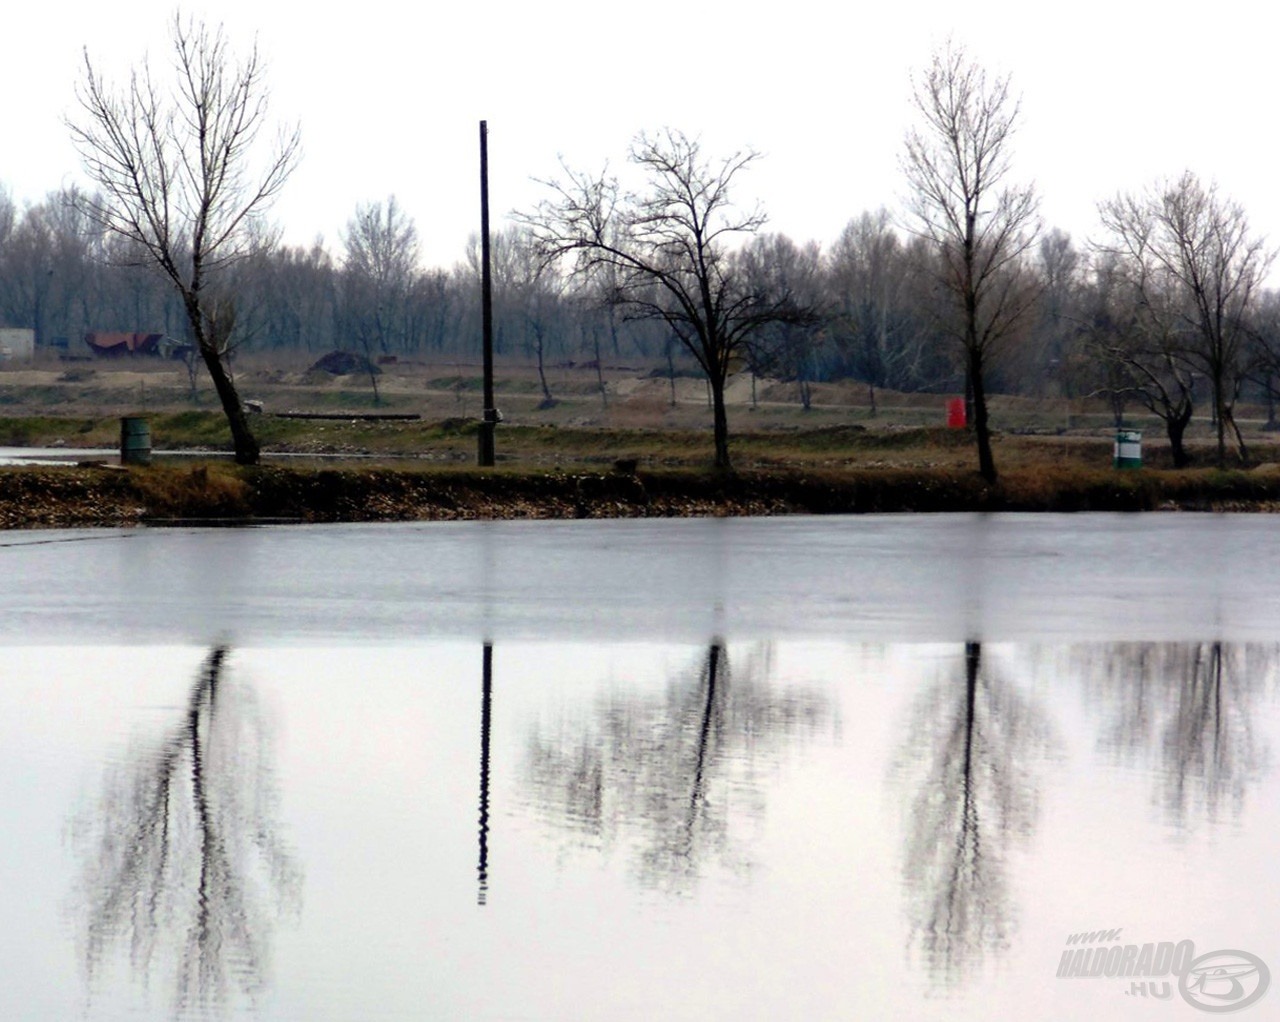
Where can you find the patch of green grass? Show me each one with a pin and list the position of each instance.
(45, 430)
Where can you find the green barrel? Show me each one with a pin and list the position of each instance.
(1128, 450)
(135, 441)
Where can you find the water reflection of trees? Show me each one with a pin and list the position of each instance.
(969, 771)
(672, 778)
(183, 868)
(1189, 710)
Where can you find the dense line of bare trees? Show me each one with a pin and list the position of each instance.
(1165, 309)
(61, 277)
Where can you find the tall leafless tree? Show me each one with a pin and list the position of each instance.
(671, 243)
(874, 326)
(178, 168)
(957, 164)
(1189, 251)
(1131, 337)
(378, 273)
(790, 348)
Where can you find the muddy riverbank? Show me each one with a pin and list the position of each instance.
(80, 495)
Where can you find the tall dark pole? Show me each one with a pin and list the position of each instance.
(491, 416)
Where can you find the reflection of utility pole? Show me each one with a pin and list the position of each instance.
(486, 709)
(491, 416)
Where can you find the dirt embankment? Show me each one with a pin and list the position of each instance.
(100, 496)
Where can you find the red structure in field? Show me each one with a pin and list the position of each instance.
(115, 345)
(955, 413)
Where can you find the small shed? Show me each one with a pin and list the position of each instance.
(17, 344)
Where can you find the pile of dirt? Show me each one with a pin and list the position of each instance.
(343, 363)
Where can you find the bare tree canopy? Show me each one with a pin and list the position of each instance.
(178, 168)
(671, 249)
(1195, 272)
(381, 243)
(957, 164)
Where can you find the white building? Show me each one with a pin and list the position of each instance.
(17, 344)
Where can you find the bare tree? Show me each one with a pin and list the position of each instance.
(1266, 351)
(1132, 337)
(533, 291)
(790, 347)
(1036, 367)
(377, 278)
(957, 163)
(867, 273)
(180, 177)
(1190, 251)
(671, 245)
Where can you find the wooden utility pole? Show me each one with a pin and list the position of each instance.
(491, 415)
(486, 717)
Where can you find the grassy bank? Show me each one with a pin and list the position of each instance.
(82, 495)
(407, 470)
(801, 443)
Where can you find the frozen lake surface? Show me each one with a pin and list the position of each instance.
(880, 577)
(828, 768)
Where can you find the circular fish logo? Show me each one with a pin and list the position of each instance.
(1224, 981)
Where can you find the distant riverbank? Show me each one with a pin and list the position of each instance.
(97, 495)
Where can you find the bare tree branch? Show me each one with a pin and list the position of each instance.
(956, 163)
(1194, 272)
(668, 250)
(179, 176)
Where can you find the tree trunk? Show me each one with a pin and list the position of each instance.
(981, 428)
(373, 377)
(1240, 444)
(1176, 426)
(604, 390)
(715, 382)
(547, 400)
(969, 412)
(671, 371)
(246, 447)
(1219, 422)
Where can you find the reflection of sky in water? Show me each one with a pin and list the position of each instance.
(768, 848)
(738, 769)
(879, 578)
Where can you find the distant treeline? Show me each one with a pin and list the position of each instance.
(879, 317)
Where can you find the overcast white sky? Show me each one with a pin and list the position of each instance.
(389, 97)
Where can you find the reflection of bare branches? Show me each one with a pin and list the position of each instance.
(1189, 706)
(970, 759)
(181, 861)
(672, 778)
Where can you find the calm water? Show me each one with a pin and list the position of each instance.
(878, 767)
